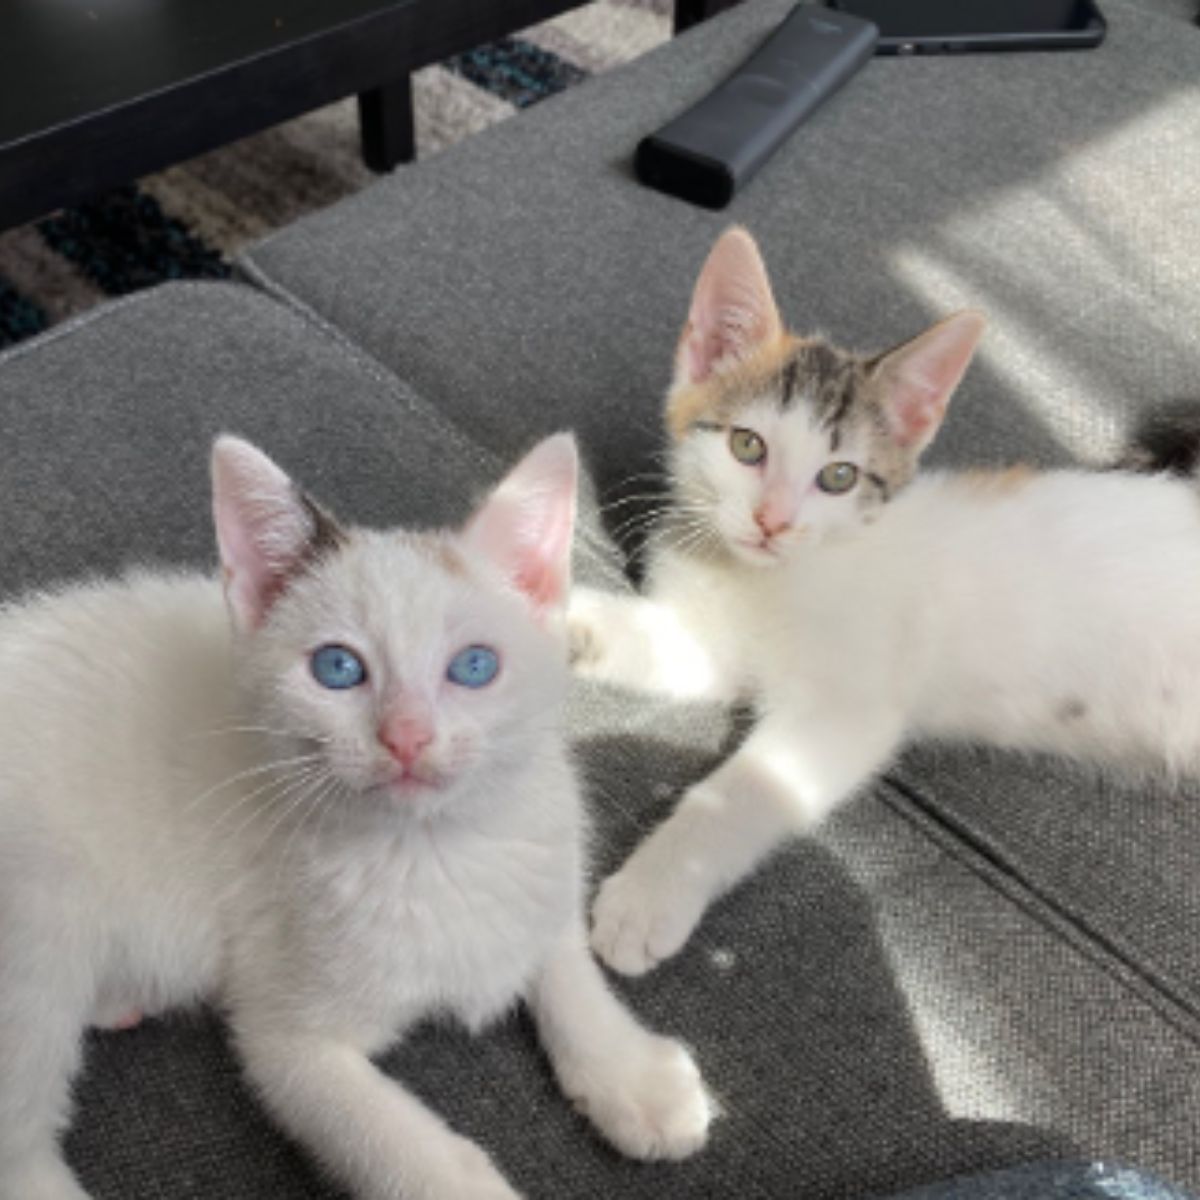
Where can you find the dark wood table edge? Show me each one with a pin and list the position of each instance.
(372, 56)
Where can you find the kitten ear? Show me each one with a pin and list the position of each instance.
(265, 527)
(733, 310)
(526, 525)
(919, 377)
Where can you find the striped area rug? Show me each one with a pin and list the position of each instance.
(188, 222)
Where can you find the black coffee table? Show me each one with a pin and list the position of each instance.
(94, 93)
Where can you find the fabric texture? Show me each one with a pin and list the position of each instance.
(109, 419)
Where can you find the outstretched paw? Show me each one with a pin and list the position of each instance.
(641, 917)
(647, 1098)
(640, 644)
(589, 618)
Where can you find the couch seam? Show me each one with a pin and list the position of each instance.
(339, 341)
(591, 544)
(374, 369)
(101, 312)
(995, 869)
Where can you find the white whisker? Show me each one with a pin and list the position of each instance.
(299, 781)
(277, 764)
(315, 802)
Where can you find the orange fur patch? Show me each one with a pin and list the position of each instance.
(727, 389)
(447, 557)
(998, 483)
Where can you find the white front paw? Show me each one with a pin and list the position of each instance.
(589, 619)
(642, 915)
(470, 1174)
(642, 645)
(647, 1098)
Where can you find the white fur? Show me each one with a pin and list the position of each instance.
(1061, 613)
(186, 815)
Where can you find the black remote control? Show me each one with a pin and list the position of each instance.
(706, 154)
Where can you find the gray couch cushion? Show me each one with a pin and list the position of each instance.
(524, 280)
(108, 421)
(108, 451)
(872, 1010)
(1118, 859)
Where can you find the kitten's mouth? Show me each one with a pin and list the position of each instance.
(410, 785)
(760, 551)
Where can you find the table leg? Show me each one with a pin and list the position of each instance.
(385, 122)
(692, 12)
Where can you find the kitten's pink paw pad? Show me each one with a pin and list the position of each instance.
(648, 1101)
(637, 922)
(129, 1020)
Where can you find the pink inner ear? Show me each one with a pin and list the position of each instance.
(530, 543)
(544, 566)
(920, 376)
(542, 586)
(252, 585)
(262, 528)
(916, 413)
(732, 311)
(526, 526)
(701, 353)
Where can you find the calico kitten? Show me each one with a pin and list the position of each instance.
(803, 565)
(340, 806)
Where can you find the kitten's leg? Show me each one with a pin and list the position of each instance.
(640, 643)
(47, 1178)
(643, 1092)
(782, 781)
(45, 990)
(375, 1137)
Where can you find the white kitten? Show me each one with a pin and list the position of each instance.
(799, 566)
(350, 810)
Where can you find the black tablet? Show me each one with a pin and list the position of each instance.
(960, 26)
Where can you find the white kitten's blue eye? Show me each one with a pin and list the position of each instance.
(474, 667)
(337, 668)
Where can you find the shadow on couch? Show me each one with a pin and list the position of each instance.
(785, 993)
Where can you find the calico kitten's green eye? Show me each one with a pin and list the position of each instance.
(837, 478)
(747, 447)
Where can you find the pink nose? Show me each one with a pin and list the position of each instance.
(405, 739)
(771, 522)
